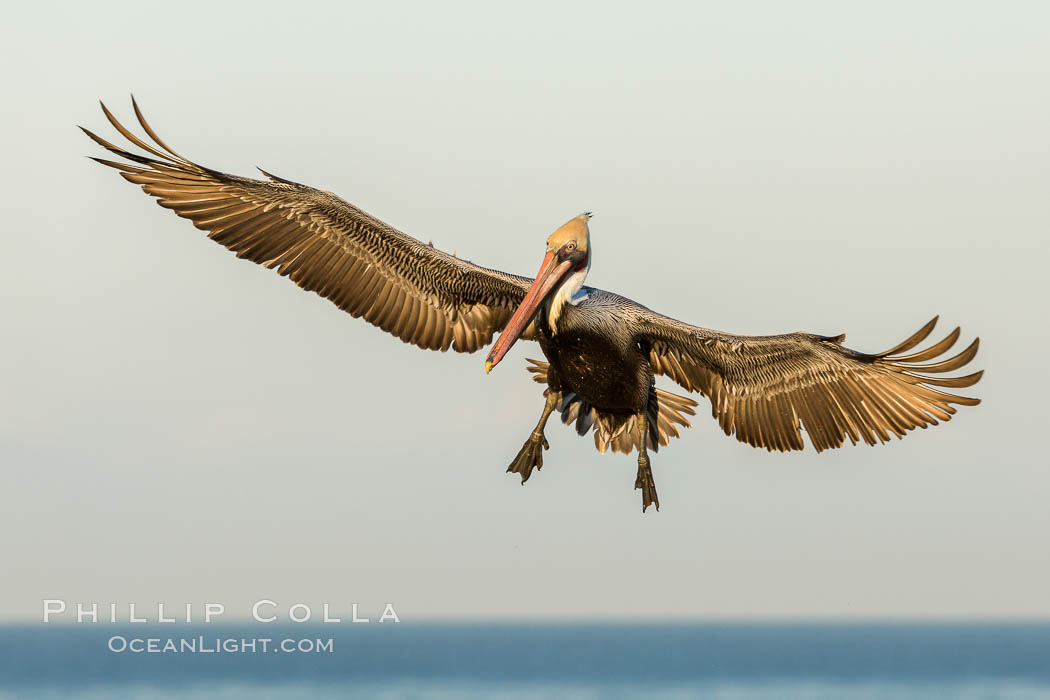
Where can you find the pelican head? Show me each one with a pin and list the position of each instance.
(564, 268)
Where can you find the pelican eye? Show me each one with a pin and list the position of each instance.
(571, 245)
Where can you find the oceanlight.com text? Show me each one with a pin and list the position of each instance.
(218, 645)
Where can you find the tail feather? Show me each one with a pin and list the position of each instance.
(616, 432)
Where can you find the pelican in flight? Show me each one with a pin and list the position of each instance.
(603, 351)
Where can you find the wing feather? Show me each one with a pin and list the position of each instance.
(326, 245)
(766, 390)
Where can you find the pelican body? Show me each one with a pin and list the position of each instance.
(588, 357)
(603, 351)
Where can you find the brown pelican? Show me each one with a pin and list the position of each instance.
(603, 351)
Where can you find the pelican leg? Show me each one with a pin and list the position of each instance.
(531, 454)
(645, 471)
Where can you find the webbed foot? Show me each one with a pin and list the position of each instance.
(646, 484)
(530, 456)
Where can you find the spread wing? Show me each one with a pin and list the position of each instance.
(326, 245)
(763, 389)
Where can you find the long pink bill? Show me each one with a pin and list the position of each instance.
(552, 273)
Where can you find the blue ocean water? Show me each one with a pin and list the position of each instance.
(519, 661)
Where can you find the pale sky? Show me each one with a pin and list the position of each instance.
(179, 425)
